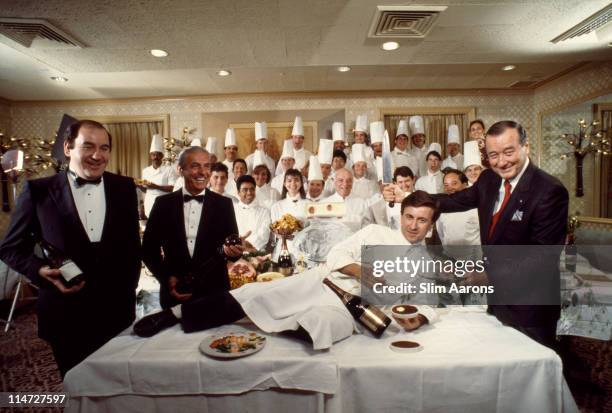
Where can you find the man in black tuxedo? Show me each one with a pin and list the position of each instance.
(519, 205)
(91, 216)
(183, 244)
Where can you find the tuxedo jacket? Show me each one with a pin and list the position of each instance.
(165, 249)
(106, 304)
(536, 214)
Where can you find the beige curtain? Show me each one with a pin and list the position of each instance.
(606, 168)
(436, 126)
(131, 143)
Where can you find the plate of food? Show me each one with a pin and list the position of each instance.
(269, 276)
(232, 345)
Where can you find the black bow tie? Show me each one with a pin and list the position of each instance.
(199, 198)
(81, 181)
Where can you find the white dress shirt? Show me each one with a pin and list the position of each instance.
(513, 183)
(161, 176)
(432, 183)
(192, 212)
(90, 201)
(266, 196)
(256, 219)
(459, 228)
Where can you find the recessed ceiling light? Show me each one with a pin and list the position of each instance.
(60, 79)
(508, 68)
(224, 73)
(390, 45)
(159, 53)
(343, 68)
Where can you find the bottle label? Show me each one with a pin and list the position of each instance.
(374, 319)
(70, 270)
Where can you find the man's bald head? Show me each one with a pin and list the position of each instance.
(343, 182)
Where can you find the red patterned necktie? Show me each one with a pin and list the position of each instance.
(507, 189)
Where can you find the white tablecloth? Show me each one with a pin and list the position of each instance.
(470, 362)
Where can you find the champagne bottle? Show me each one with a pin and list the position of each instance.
(369, 316)
(71, 273)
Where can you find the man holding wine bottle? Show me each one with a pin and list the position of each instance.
(85, 221)
(183, 244)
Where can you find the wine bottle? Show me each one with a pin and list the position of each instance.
(71, 273)
(570, 254)
(368, 315)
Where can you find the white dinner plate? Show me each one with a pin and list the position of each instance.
(255, 343)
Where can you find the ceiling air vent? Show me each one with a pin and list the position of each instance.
(404, 21)
(594, 22)
(36, 33)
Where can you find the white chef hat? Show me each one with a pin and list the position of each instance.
(416, 125)
(435, 146)
(453, 134)
(157, 143)
(258, 158)
(314, 169)
(298, 127)
(471, 155)
(261, 130)
(211, 145)
(195, 142)
(288, 151)
(377, 131)
(338, 132)
(230, 137)
(358, 153)
(326, 151)
(361, 124)
(402, 128)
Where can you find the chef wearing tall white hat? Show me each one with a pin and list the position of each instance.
(419, 149)
(472, 162)
(454, 160)
(230, 149)
(286, 162)
(362, 186)
(401, 154)
(316, 183)
(377, 134)
(301, 155)
(325, 157)
(211, 147)
(338, 137)
(157, 176)
(361, 136)
(433, 181)
(261, 144)
(357, 214)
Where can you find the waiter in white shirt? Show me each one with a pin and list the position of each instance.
(230, 149)
(432, 181)
(419, 149)
(362, 186)
(158, 177)
(400, 154)
(357, 213)
(250, 217)
(301, 155)
(286, 162)
(261, 144)
(454, 160)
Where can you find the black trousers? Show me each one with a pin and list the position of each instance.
(217, 309)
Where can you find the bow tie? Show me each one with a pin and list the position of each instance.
(82, 181)
(198, 198)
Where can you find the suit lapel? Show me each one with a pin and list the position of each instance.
(491, 194)
(179, 222)
(205, 224)
(109, 199)
(62, 195)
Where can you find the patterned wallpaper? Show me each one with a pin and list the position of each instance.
(563, 103)
(5, 118)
